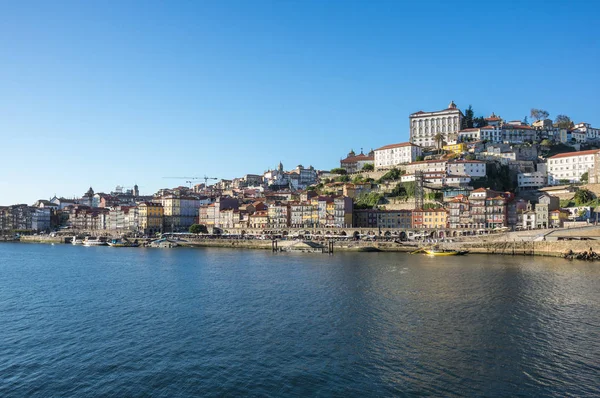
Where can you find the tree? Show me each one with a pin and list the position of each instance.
(368, 167)
(393, 174)
(583, 196)
(439, 140)
(546, 142)
(563, 122)
(420, 158)
(198, 229)
(467, 121)
(538, 114)
(409, 188)
(367, 200)
(525, 120)
(358, 179)
(398, 191)
(338, 170)
(479, 122)
(584, 177)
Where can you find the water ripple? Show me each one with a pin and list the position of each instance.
(177, 323)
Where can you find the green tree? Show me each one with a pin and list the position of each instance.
(467, 121)
(392, 175)
(368, 167)
(566, 203)
(439, 140)
(343, 178)
(584, 177)
(338, 170)
(198, 229)
(358, 179)
(583, 196)
(525, 120)
(546, 143)
(367, 200)
(398, 191)
(479, 122)
(563, 122)
(538, 114)
(420, 158)
(409, 188)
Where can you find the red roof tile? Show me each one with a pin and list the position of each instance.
(403, 144)
(357, 158)
(579, 153)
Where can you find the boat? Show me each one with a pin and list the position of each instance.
(76, 240)
(91, 241)
(122, 243)
(441, 252)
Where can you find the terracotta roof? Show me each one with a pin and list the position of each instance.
(517, 127)
(480, 190)
(469, 129)
(428, 161)
(403, 144)
(357, 158)
(495, 118)
(579, 153)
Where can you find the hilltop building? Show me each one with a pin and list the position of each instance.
(425, 125)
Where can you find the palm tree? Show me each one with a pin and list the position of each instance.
(439, 140)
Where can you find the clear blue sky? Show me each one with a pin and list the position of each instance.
(108, 93)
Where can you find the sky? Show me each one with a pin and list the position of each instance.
(121, 92)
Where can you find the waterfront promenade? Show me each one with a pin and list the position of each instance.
(553, 243)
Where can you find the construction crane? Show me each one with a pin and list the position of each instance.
(190, 180)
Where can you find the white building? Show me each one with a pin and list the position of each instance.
(426, 166)
(532, 180)
(590, 132)
(425, 125)
(570, 166)
(516, 132)
(457, 181)
(389, 156)
(471, 168)
(579, 137)
(431, 178)
(354, 163)
(488, 133)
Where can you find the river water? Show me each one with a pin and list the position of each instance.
(100, 321)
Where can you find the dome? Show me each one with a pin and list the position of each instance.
(452, 105)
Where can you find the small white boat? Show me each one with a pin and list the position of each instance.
(77, 240)
(91, 241)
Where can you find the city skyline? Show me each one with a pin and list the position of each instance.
(117, 94)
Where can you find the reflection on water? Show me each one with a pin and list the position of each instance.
(102, 321)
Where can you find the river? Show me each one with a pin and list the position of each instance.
(99, 321)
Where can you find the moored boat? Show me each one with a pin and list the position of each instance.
(76, 240)
(91, 241)
(122, 243)
(441, 252)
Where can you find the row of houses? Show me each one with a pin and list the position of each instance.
(309, 212)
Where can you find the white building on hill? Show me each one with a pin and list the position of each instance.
(389, 156)
(425, 125)
(570, 166)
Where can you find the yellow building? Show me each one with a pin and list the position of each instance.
(151, 217)
(456, 148)
(430, 218)
(558, 218)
